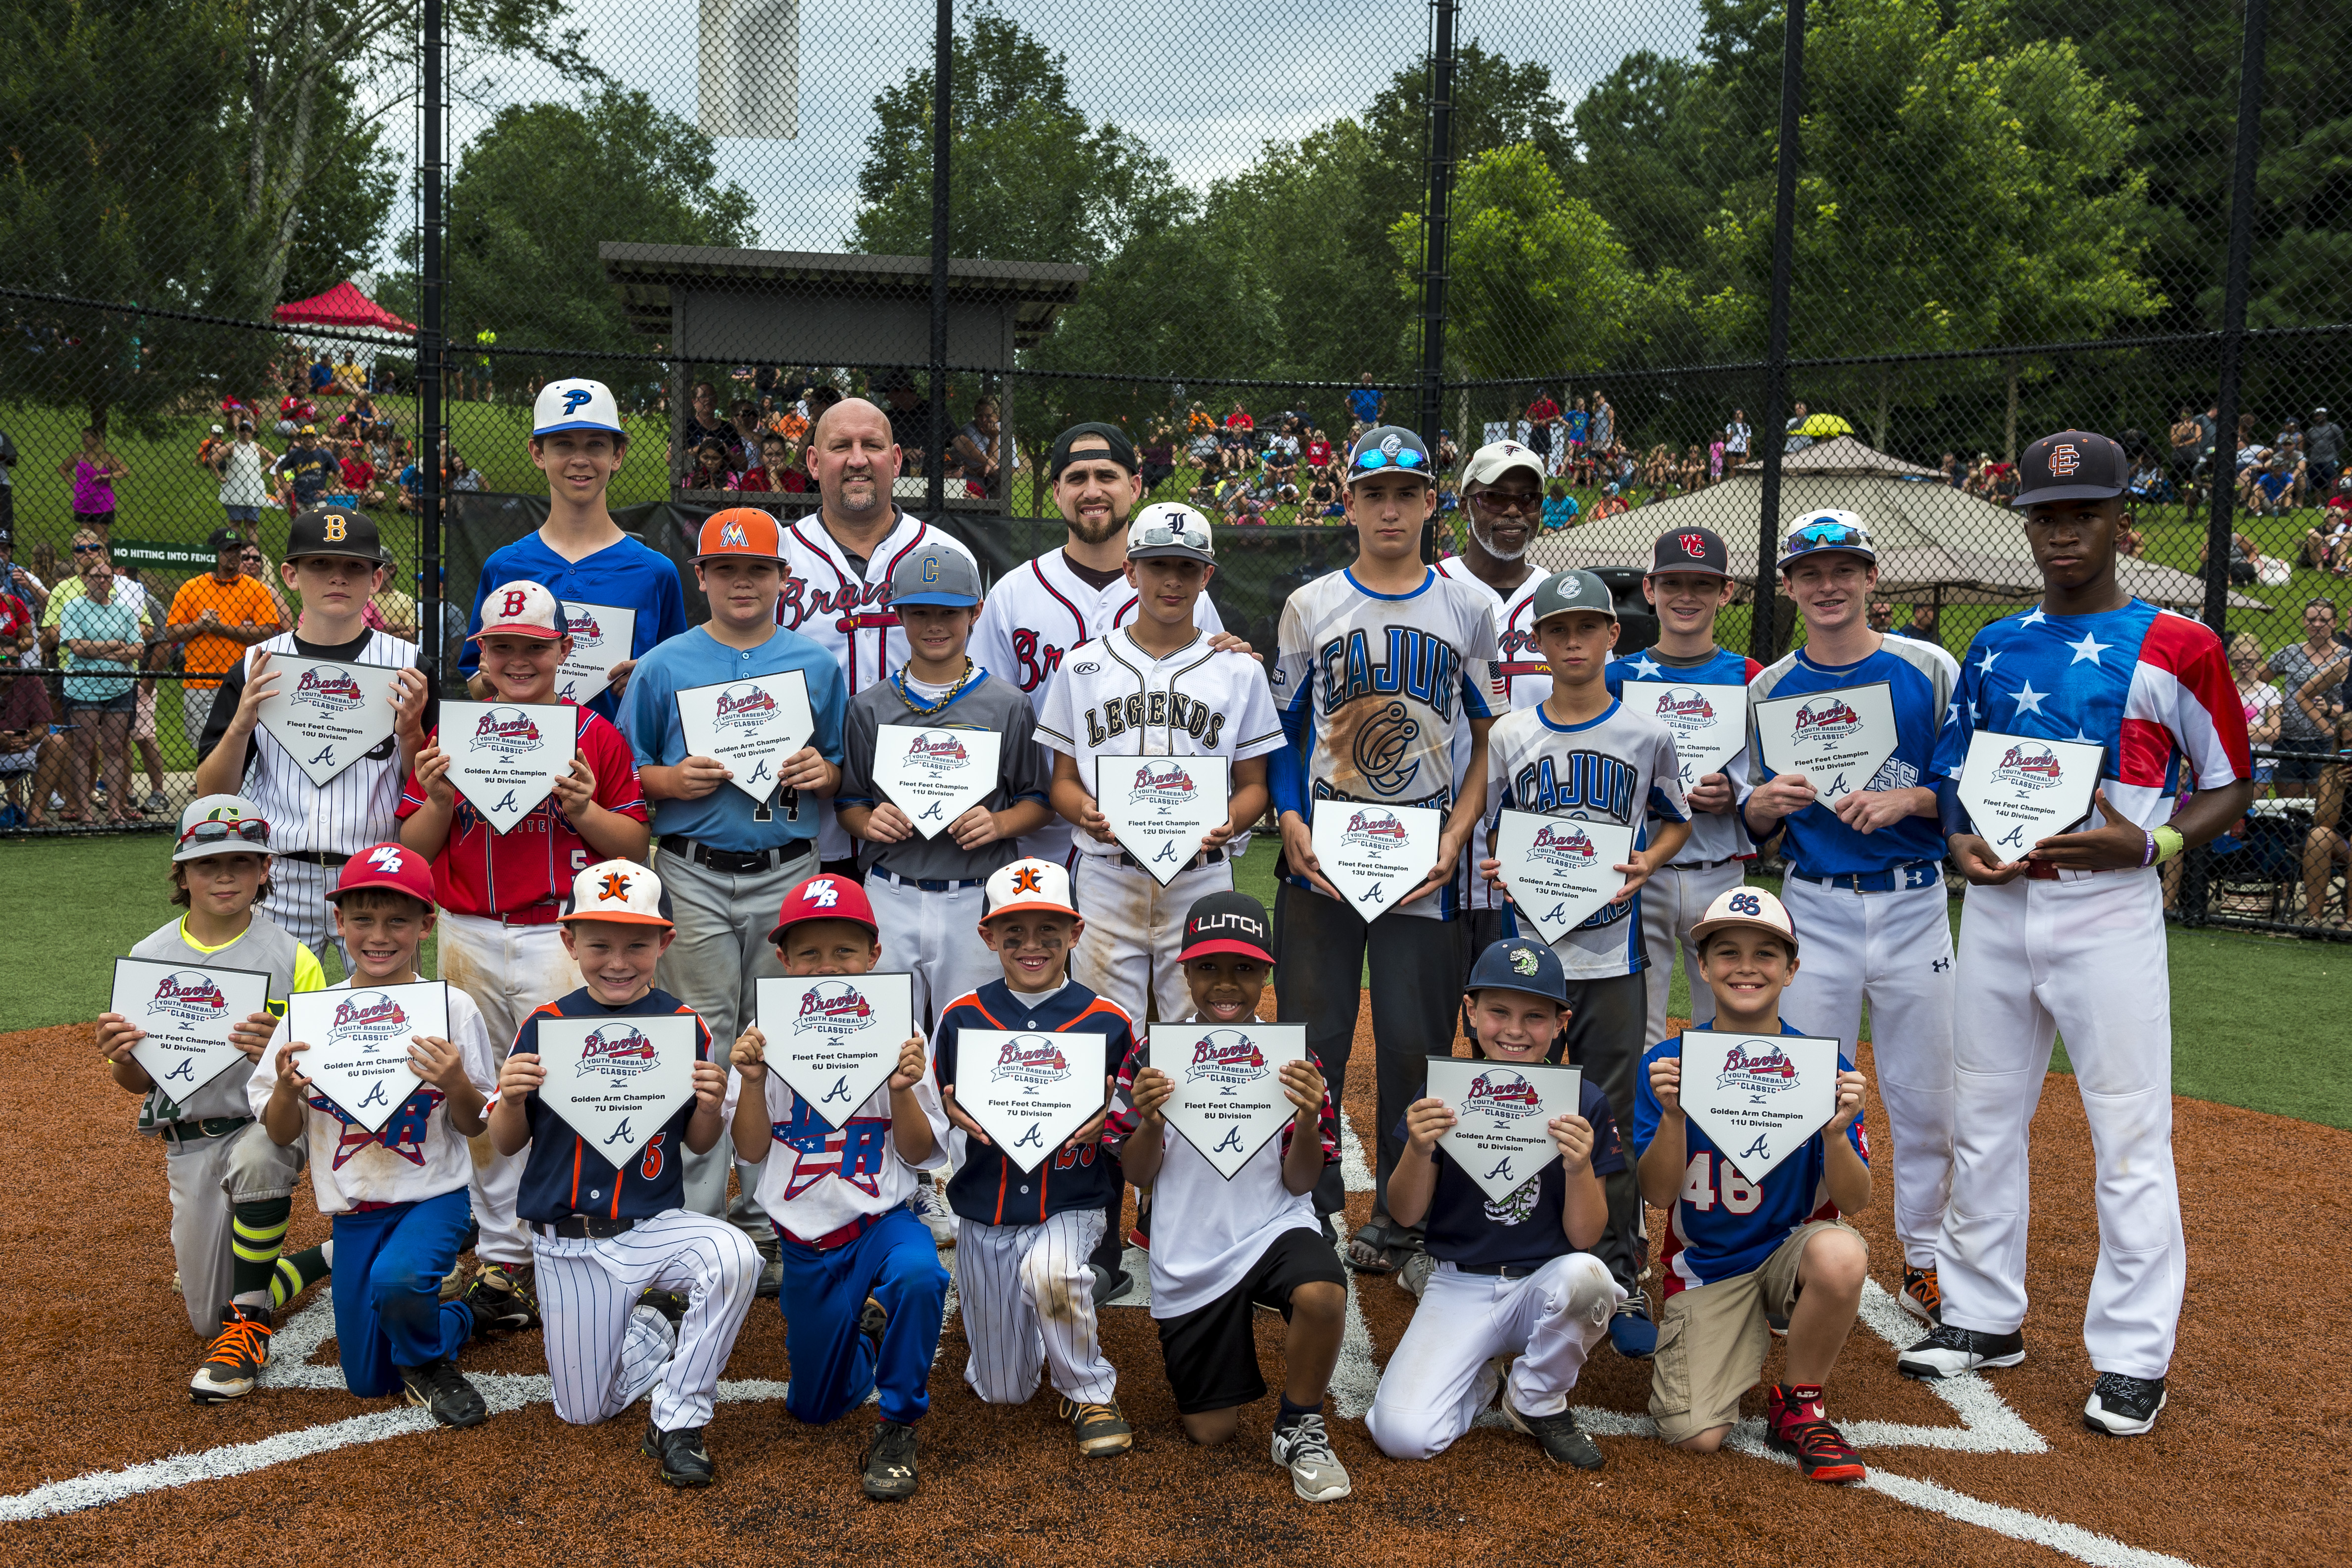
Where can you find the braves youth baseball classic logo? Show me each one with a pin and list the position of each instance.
(1374, 827)
(617, 1051)
(936, 751)
(743, 706)
(1687, 704)
(1163, 784)
(1226, 1057)
(586, 634)
(189, 997)
(832, 1008)
(508, 731)
(369, 1016)
(1759, 1067)
(1503, 1094)
(1828, 717)
(1568, 848)
(2030, 765)
(329, 689)
(1031, 1059)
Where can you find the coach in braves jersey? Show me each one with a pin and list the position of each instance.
(1376, 668)
(1865, 879)
(2067, 937)
(1689, 581)
(1038, 611)
(580, 553)
(837, 565)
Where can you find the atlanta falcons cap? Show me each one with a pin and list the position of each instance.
(1227, 922)
(1693, 550)
(1496, 458)
(521, 609)
(1745, 906)
(395, 867)
(825, 897)
(1029, 884)
(578, 404)
(2072, 465)
(1516, 964)
(740, 531)
(621, 891)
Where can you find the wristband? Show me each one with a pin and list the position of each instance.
(2147, 855)
(2168, 844)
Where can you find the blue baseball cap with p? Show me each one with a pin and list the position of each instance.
(577, 405)
(935, 575)
(1520, 963)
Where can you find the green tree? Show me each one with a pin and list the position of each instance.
(1646, 138)
(346, 208)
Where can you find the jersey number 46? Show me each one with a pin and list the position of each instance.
(1699, 1189)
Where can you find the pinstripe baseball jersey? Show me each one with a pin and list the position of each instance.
(1526, 681)
(563, 1175)
(481, 871)
(1714, 835)
(818, 1176)
(2152, 687)
(1113, 698)
(356, 808)
(986, 1186)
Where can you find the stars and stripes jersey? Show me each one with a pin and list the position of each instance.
(1111, 698)
(264, 947)
(1722, 1225)
(1919, 678)
(1034, 616)
(1526, 681)
(1714, 835)
(625, 575)
(563, 1175)
(986, 1186)
(1617, 767)
(1372, 689)
(415, 1155)
(529, 868)
(357, 806)
(819, 1176)
(2151, 686)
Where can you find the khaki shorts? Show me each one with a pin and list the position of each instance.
(1712, 1339)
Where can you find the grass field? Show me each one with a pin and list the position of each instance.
(2256, 1020)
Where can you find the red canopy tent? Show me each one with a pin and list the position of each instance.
(342, 306)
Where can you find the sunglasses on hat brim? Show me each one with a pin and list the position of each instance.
(220, 830)
(1827, 536)
(1376, 459)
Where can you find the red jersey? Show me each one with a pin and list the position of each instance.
(526, 873)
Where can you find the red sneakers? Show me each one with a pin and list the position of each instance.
(1793, 1424)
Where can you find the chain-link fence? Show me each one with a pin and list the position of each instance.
(1242, 237)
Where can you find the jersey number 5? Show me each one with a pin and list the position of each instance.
(649, 1165)
(1700, 1192)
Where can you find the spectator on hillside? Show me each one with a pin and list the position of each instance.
(1202, 451)
(1541, 410)
(408, 494)
(2130, 541)
(1611, 504)
(306, 470)
(93, 471)
(1365, 401)
(1240, 433)
(1716, 455)
(243, 466)
(1159, 457)
(982, 450)
(2325, 548)
(2266, 486)
(1322, 499)
(2245, 560)
(774, 473)
(1600, 432)
(1316, 451)
(1448, 456)
(710, 469)
(322, 375)
(1737, 436)
(1282, 457)
(1881, 617)
(358, 476)
(1560, 507)
(457, 477)
(1796, 441)
(705, 422)
(2323, 450)
(30, 757)
(17, 584)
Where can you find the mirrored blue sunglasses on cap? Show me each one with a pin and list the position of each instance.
(1827, 536)
(1406, 457)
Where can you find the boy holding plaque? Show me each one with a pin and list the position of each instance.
(863, 1294)
(1738, 1251)
(1024, 1239)
(1515, 1278)
(605, 1237)
(232, 1189)
(397, 1196)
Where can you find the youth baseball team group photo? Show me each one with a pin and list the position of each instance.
(873, 947)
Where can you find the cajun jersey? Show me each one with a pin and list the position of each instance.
(1526, 681)
(415, 1155)
(1468, 1229)
(2152, 687)
(1372, 688)
(1714, 835)
(1034, 615)
(1919, 678)
(527, 870)
(1723, 1225)
(564, 1173)
(987, 1187)
(844, 608)
(818, 1176)
(1618, 767)
(1114, 699)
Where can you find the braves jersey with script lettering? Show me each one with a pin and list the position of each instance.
(530, 867)
(988, 1187)
(1114, 699)
(1526, 681)
(1714, 835)
(1919, 678)
(1618, 767)
(2150, 687)
(1723, 1225)
(819, 1175)
(1372, 688)
(564, 1173)
(1034, 616)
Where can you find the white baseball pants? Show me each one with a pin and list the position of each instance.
(1028, 1302)
(934, 937)
(1893, 949)
(1135, 929)
(508, 971)
(1439, 1380)
(2085, 957)
(1673, 901)
(604, 1350)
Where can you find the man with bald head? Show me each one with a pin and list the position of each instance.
(837, 566)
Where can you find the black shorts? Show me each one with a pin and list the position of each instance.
(1212, 1351)
(1540, 439)
(2314, 752)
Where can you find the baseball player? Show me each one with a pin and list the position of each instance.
(604, 1236)
(1042, 609)
(1865, 876)
(1022, 1275)
(1377, 667)
(2067, 934)
(1584, 755)
(232, 1189)
(865, 1293)
(837, 566)
(334, 562)
(580, 553)
(928, 893)
(726, 861)
(1517, 1281)
(501, 892)
(1739, 1253)
(1689, 581)
(397, 1195)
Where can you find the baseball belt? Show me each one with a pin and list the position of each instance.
(1206, 857)
(732, 862)
(586, 1228)
(1912, 874)
(316, 857)
(203, 1127)
(832, 1241)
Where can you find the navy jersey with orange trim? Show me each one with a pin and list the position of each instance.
(564, 1174)
(989, 1188)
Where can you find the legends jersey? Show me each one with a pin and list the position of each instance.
(2152, 687)
(1471, 1230)
(1714, 835)
(819, 1175)
(564, 1173)
(1371, 688)
(987, 1187)
(1526, 681)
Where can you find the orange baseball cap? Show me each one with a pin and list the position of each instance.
(741, 531)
